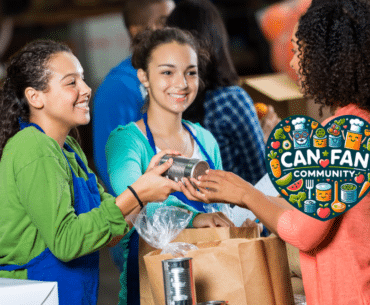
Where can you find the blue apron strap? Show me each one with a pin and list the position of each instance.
(149, 133)
(24, 124)
(78, 159)
(209, 160)
(152, 144)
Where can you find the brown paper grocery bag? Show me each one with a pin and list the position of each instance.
(265, 271)
(221, 272)
(191, 236)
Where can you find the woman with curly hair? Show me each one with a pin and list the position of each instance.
(332, 59)
(54, 215)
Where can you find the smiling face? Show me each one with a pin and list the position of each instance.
(323, 196)
(65, 102)
(301, 137)
(353, 141)
(172, 77)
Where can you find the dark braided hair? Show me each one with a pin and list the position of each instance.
(333, 40)
(27, 68)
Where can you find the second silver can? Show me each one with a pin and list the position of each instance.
(178, 280)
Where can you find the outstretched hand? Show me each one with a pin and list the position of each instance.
(219, 186)
(152, 186)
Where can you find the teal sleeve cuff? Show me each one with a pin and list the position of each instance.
(190, 225)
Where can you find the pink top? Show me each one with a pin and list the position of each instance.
(334, 254)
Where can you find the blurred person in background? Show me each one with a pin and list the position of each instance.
(223, 107)
(120, 97)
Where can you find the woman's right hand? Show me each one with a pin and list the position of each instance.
(221, 186)
(152, 186)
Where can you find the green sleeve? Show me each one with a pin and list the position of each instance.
(45, 193)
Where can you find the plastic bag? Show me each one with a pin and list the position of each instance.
(162, 226)
(220, 207)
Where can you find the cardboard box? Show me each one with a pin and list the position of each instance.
(21, 292)
(278, 90)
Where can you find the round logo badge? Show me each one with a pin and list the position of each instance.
(321, 170)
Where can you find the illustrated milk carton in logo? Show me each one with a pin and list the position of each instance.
(354, 136)
(300, 134)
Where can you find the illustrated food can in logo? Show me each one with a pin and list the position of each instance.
(335, 141)
(310, 206)
(178, 280)
(184, 167)
(320, 142)
(323, 192)
(348, 192)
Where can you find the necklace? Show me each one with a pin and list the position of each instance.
(184, 148)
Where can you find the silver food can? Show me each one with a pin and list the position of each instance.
(179, 288)
(213, 303)
(184, 167)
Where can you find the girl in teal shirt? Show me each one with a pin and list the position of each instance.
(169, 62)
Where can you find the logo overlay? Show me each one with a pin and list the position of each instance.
(321, 170)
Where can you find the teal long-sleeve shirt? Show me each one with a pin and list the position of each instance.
(36, 204)
(128, 154)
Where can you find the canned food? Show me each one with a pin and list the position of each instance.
(348, 192)
(184, 167)
(213, 303)
(179, 287)
(323, 192)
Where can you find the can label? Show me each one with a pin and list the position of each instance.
(178, 281)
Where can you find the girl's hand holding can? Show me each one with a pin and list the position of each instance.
(152, 186)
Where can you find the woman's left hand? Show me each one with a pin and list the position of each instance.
(211, 220)
(190, 191)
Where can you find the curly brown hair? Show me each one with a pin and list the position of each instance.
(27, 68)
(333, 40)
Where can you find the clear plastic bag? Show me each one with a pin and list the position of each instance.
(160, 227)
(219, 207)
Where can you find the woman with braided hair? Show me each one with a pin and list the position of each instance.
(54, 215)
